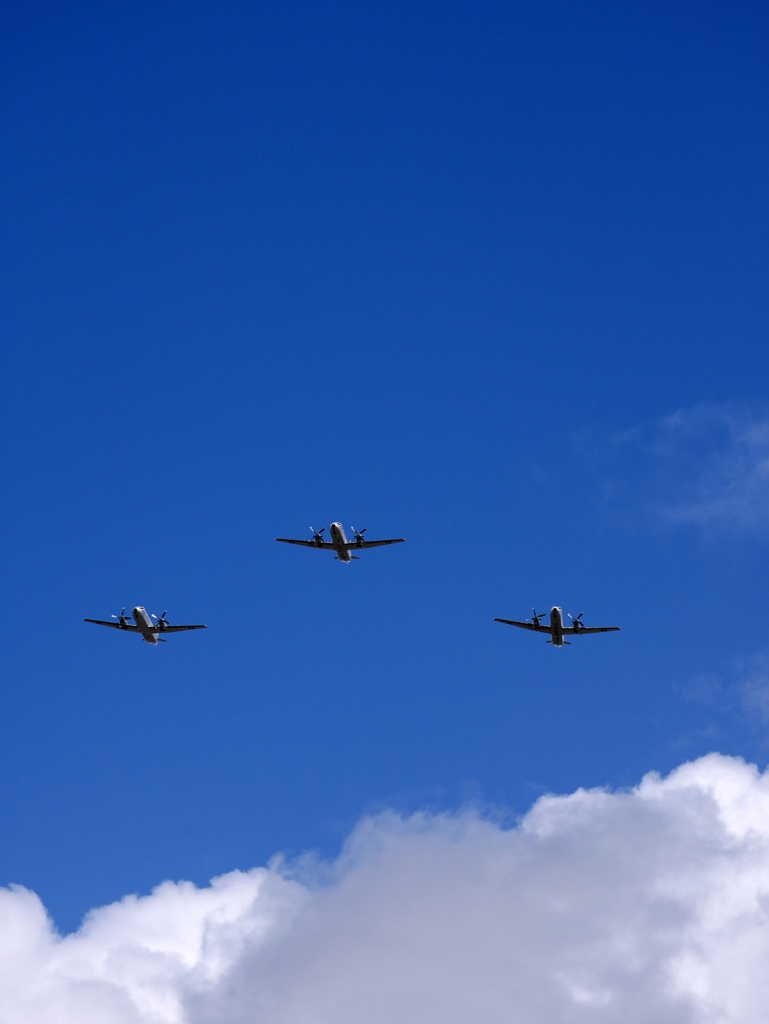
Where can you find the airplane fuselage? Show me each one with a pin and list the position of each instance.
(556, 624)
(339, 540)
(148, 628)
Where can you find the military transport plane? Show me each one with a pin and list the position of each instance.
(556, 627)
(144, 624)
(339, 541)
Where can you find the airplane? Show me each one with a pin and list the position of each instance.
(556, 627)
(144, 624)
(339, 541)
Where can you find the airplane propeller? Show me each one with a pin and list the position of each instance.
(123, 618)
(536, 618)
(162, 622)
(358, 535)
(577, 624)
(316, 535)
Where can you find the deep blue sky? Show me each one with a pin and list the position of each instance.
(412, 266)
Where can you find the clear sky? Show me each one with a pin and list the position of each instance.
(488, 276)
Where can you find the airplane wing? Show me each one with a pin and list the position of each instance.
(114, 625)
(592, 629)
(307, 543)
(373, 543)
(178, 629)
(528, 625)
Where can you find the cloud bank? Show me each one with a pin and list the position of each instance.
(642, 907)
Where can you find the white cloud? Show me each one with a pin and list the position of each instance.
(708, 466)
(641, 907)
(731, 486)
(753, 685)
(741, 689)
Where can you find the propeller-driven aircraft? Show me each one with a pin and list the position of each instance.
(144, 624)
(556, 628)
(339, 541)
